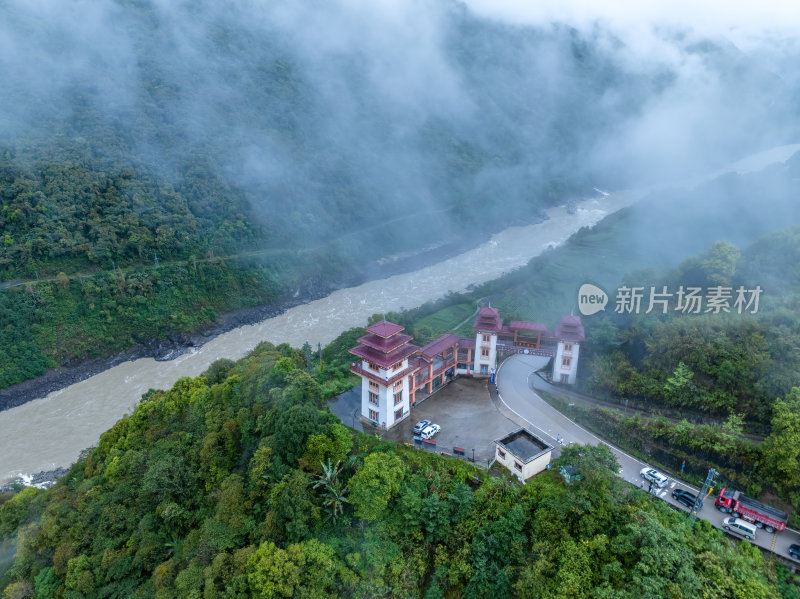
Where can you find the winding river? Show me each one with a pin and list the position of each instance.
(52, 431)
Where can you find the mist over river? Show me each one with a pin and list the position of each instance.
(50, 432)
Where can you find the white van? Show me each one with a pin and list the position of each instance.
(739, 527)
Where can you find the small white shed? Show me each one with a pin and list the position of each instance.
(523, 453)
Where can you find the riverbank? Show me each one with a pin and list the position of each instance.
(83, 411)
(43, 480)
(176, 344)
(173, 346)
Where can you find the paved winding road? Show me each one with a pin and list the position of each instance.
(515, 385)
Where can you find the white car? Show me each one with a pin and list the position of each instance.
(654, 476)
(430, 431)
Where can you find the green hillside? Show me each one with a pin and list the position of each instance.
(135, 134)
(240, 483)
(710, 390)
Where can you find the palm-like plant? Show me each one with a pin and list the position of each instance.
(333, 491)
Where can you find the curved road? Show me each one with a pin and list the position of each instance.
(515, 381)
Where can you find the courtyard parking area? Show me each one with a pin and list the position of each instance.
(463, 409)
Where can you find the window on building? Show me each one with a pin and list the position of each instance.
(568, 347)
(484, 352)
(373, 398)
(373, 415)
(517, 465)
(566, 362)
(484, 369)
(501, 454)
(374, 385)
(398, 414)
(396, 365)
(485, 338)
(374, 366)
(398, 397)
(398, 386)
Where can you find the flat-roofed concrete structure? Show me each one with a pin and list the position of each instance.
(523, 453)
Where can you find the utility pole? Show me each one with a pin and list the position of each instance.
(155, 259)
(319, 349)
(707, 488)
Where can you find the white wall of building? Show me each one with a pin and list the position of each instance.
(559, 370)
(489, 361)
(386, 407)
(533, 467)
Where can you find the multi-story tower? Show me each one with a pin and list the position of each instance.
(487, 325)
(568, 336)
(384, 372)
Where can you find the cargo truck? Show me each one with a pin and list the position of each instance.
(741, 506)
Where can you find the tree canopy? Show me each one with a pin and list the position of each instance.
(210, 489)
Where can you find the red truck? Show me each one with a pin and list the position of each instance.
(742, 506)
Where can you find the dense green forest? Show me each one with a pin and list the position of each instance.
(241, 483)
(742, 369)
(136, 155)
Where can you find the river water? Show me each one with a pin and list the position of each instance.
(52, 431)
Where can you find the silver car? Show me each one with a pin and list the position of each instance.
(421, 426)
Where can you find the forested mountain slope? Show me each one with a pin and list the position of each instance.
(294, 139)
(240, 483)
(708, 389)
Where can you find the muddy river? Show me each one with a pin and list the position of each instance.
(51, 431)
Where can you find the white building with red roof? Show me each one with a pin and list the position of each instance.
(395, 374)
(386, 384)
(488, 325)
(568, 335)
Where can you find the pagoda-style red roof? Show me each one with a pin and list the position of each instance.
(524, 325)
(488, 319)
(385, 360)
(570, 328)
(385, 344)
(439, 345)
(384, 329)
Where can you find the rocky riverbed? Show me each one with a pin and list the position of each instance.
(43, 480)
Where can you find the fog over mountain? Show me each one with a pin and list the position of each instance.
(414, 120)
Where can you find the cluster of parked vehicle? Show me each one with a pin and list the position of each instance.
(747, 514)
(682, 496)
(426, 429)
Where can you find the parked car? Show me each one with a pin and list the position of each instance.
(794, 550)
(686, 498)
(421, 426)
(654, 476)
(739, 527)
(430, 431)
